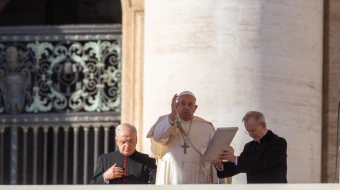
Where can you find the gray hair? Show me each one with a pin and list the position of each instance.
(258, 116)
(126, 126)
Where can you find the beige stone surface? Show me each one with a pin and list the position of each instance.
(331, 88)
(132, 65)
(238, 56)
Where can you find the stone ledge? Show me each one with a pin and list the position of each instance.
(178, 187)
(58, 119)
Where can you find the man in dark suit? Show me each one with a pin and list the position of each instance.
(264, 159)
(126, 165)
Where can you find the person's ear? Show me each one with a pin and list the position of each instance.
(264, 125)
(196, 106)
(116, 140)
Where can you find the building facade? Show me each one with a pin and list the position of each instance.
(278, 57)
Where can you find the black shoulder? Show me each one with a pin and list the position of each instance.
(277, 138)
(274, 137)
(279, 143)
(248, 144)
(108, 155)
(145, 158)
(281, 140)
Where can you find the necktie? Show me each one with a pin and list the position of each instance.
(125, 170)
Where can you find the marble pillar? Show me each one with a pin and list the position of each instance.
(132, 64)
(331, 89)
(238, 56)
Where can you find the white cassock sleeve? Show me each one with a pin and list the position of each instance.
(159, 135)
(163, 130)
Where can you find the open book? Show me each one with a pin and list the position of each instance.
(221, 139)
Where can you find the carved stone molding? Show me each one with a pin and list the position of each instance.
(60, 119)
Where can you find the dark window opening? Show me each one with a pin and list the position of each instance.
(59, 12)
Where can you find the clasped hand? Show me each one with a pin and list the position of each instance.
(113, 172)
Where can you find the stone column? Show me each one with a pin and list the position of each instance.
(132, 64)
(331, 89)
(238, 56)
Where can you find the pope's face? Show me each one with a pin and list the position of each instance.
(186, 107)
(126, 140)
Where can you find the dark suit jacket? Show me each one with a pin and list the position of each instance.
(141, 169)
(268, 164)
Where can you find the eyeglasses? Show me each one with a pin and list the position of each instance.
(250, 131)
(127, 141)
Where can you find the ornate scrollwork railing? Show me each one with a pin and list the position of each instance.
(73, 73)
(57, 84)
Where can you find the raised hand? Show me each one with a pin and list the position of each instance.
(113, 172)
(173, 113)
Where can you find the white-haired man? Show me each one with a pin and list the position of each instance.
(126, 165)
(178, 140)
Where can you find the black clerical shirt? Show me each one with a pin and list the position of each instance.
(138, 168)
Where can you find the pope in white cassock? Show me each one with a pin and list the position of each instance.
(178, 159)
